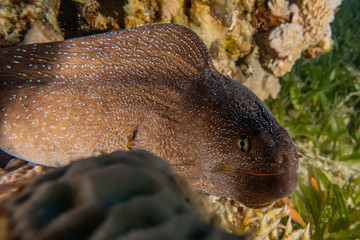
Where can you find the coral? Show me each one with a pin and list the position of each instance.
(279, 8)
(134, 195)
(282, 32)
(227, 44)
(104, 16)
(307, 32)
(170, 9)
(287, 40)
(261, 82)
(262, 223)
(139, 12)
(222, 10)
(41, 33)
(15, 174)
(17, 16)
(248, 5)
(283, 29)
(228, 36)
(316, 16)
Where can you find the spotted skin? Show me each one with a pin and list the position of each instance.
(152, 87)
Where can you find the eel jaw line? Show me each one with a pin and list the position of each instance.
(228, 169)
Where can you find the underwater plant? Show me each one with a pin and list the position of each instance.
(333, 211)
(320, 98)
(319, 103)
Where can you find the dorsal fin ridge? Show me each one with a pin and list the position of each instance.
(147, 52)
(176, 48)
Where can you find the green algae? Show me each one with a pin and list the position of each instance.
(320, 98)
(331, 209)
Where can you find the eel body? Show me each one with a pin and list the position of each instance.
(155, 88)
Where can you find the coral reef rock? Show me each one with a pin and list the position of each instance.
(40, 33)
(16, 17)
(232, 29)
(256, 78)
(306, 29)
(264, 224)
(282, 29)
(123, 195)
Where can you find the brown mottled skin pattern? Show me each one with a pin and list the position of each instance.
(152, 87)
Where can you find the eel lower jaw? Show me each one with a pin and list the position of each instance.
(256, 190)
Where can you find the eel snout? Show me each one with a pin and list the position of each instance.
(288, 161)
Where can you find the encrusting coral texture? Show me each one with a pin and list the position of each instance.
(308, 32)
(17, 17)
(263, 223)
(282, 30)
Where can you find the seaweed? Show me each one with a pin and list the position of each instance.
(332, 211)
(320, 98)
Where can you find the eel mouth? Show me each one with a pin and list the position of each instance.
(257, 190)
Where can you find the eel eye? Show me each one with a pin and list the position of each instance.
(244, 144)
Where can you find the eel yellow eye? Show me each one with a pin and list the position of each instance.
(244, 144)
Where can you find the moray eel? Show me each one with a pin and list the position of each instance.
(155, 88)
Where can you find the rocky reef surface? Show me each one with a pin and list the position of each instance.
(251, 41)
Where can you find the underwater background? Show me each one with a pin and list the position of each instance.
(315, 96)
